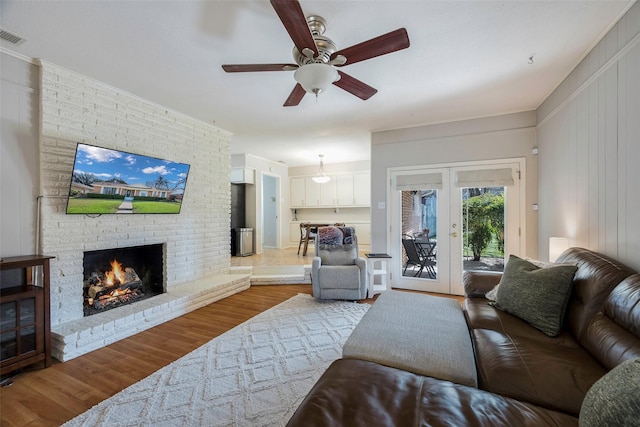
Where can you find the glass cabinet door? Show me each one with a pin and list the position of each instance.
(18, 327)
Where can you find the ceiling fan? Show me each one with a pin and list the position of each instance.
(316, 56)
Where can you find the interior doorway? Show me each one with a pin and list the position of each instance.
(446, 220)
(270, 211)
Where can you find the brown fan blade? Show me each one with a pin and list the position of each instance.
(294, 21)
(243, 68)
(355, 86)
(295, 97)
(381, 45)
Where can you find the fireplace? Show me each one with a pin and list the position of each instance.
(121, 276)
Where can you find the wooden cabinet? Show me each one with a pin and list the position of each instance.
(25, 329)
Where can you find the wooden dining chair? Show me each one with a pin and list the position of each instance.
(303, 233)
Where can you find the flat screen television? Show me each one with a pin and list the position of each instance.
(108, 181)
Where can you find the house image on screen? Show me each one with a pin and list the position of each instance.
(129, 190)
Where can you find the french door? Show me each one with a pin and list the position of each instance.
(448, 219)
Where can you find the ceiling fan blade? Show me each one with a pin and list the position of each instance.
(355, 86)
(381, 45)
(294, 21)
(243, 68)
(295, 97)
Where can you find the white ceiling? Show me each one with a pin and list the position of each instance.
(467, 59)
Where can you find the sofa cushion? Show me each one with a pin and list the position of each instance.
(597, 275)
(360, 393)
(536, 295)
(481, 314)
(340, 277)
(535, 371)
(613, 335)
(394, 332)
(338, 255)
(613, 399)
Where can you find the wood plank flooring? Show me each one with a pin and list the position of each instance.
(49, 397)
(52, 396)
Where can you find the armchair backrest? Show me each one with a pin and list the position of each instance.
(336, 245)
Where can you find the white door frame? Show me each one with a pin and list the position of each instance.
(449, 279)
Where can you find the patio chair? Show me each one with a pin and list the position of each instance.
(415, 258)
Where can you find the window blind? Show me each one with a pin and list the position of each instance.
(426, 181)
(485, 178)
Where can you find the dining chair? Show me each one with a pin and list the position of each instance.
(303, 234)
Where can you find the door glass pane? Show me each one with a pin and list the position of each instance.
(419, 239)
(483, 228)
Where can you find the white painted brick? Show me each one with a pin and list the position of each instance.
(75, 109)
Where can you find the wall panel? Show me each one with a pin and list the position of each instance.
(589, 150)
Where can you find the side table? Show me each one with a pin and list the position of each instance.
(382, 271)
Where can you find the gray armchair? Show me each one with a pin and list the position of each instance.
(337, 271)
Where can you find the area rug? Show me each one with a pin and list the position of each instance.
(256, 374)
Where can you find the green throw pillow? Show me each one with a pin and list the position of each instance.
(613, 399)
(536, 295)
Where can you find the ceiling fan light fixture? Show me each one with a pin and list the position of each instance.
(321, 177)
(316, 77)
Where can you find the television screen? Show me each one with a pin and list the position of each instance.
(107, 181)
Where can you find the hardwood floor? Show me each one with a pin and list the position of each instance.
(52, 396)
(49, 397)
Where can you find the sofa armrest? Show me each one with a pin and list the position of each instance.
(316, 262)
(478, 283)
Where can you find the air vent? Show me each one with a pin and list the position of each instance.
(11, 38)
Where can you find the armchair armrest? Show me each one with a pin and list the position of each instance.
(478, 283)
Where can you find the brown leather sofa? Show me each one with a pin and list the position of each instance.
(526, 378)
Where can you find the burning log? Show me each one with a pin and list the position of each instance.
(115, 286)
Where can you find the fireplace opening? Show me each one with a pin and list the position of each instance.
(121, 276)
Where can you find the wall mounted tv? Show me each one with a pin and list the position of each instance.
(107, 181)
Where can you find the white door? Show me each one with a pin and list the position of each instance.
(270, 211)
(445, 220)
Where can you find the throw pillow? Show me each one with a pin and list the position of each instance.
(493, 293)
(338, 255)
(536, 295)
(613, 399)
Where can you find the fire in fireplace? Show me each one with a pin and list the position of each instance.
(121, 276)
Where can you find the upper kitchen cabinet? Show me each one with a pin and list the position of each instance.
(243, 176)
(344, 190)
(297, 194)
(362, 188)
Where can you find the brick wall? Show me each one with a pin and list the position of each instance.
(75, 109)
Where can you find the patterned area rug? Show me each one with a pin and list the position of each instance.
(256, 374)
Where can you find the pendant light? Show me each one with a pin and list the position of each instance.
(321, 177)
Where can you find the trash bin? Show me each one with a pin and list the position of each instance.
(242, 241)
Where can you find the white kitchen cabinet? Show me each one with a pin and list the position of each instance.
(344, 190)
(312, 192)
(328, 193)
(297, 195)
(363, 231)
(243, 176)
(294, 233)
(362, 188)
